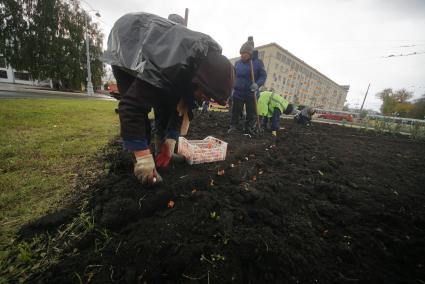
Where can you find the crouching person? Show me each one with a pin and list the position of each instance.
(305, 115)
(270, 107)
(169, 68)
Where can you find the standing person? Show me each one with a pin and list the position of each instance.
(305, 115)
(272, 106)
(162, 65)
(205, 107)
(245, 89)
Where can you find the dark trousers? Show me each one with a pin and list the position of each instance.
(237, 109)
(275, 120)
(302, 119)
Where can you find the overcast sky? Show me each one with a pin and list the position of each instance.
(346, 40)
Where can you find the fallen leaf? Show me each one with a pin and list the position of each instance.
(193, 190)
(254, 178)
(232, 165)
(246, 158)
(170, 204)
(220, 172)
(212, 182)
(260, 172)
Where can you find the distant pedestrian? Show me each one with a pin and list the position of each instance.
(205, 107)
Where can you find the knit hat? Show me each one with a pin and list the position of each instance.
(215, 76)
(247, 47)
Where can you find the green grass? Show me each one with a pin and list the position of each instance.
(43, 142)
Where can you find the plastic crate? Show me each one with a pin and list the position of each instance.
(207, 150)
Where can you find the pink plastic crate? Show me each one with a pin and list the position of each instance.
(208, 150)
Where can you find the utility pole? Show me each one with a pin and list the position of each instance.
(361, 108)
(89, 82)
(186, 17)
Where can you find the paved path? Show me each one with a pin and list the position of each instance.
(15, 91)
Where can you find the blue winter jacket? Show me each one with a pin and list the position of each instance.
(243, 81)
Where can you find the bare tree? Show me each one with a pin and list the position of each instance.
(402, 96)
(385, 94)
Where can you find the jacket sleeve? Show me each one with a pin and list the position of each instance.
(133, 111)
(261, 74)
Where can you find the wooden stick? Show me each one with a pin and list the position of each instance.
(254, 94)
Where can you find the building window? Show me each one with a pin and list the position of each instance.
(278, 56)
(22, 76)
(3, 62)
(3, 74)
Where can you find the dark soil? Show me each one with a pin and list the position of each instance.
(320, 204)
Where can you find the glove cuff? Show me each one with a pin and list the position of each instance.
(146, 159)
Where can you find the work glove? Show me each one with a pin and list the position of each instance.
(254, 87)
(145, 170)
(165, 153)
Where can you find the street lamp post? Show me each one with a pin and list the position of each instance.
(89, 82)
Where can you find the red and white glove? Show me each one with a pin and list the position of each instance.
(165, 154)
(145, 170)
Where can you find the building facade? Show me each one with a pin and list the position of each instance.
(297, 81)
(10, 75)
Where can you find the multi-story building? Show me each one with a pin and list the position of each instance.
(297, 81)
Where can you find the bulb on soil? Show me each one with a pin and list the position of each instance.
(170, 204)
